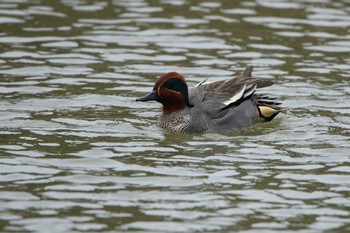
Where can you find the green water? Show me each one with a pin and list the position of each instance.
(78, 154)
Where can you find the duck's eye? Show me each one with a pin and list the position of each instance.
(171, 83)
(167, 86)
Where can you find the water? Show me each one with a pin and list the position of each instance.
(79, 154)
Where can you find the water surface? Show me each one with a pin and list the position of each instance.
(79, 154)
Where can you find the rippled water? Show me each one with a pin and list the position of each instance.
(79, 154)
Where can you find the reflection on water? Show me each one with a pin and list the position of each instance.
(79, 154)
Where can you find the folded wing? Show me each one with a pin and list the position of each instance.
(216, 98)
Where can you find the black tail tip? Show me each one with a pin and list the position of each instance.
(248, 71)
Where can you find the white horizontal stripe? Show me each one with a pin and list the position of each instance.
(235, 97)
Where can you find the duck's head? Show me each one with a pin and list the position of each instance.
(171, 91)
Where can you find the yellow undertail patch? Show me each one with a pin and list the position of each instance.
(268, 113)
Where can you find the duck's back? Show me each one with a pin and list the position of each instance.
(229, 104)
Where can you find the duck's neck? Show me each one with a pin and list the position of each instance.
(172, 101)
(171, 108)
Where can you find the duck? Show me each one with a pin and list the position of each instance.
(214, 106)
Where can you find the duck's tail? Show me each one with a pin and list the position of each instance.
(267, 107)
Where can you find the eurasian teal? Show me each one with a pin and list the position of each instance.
(212, 106)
